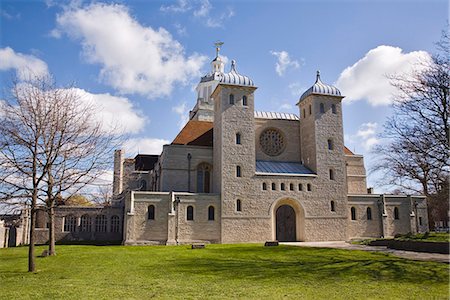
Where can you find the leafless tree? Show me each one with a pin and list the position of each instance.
(51, 146)
(416, 155)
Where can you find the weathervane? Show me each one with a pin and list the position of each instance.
(218, 44)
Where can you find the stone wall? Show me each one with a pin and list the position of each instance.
(356, 174)
(77, 234)
(384, 223)
(362, 227)
(290, 130)
(170, 225)
(3, 236)
(174, 166)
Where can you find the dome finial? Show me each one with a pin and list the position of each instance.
(318, 76)
(218, 44)
(233, 66)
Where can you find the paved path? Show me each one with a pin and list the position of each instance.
(400, 253)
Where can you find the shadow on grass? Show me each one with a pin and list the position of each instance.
(293, 263)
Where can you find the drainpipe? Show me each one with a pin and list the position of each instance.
(177, 206)
(416, 215)
(189, 157)
(382, 213)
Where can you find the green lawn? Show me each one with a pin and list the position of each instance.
(218, 272)
(426, 237)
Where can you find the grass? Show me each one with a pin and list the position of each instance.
(422, 237)
(426, 237)
(218, 272)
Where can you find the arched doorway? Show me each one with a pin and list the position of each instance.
(12, 236)
(286, 224)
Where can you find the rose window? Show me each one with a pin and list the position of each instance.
(272, 142)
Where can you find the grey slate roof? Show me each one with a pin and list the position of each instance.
(264, 167)
(321, 88)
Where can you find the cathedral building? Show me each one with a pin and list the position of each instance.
(236, 175)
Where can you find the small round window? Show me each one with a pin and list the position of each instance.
(272, 142)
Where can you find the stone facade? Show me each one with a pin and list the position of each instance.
(324, 198)
(85, 224)
(234, 175)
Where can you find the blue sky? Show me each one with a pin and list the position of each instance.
(141, 60)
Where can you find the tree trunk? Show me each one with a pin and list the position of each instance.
(31, 258)
(51, 231)
(51, 213)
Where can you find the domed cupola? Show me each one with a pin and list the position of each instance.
(320, 88)
(233, 77)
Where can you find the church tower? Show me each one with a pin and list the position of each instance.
(322, 145)
(234, 142)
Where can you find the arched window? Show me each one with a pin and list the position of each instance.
(304, 113)
(238, 138)
(310, 109)
(115, 224)
(100, 223)
(333, 108)
(291, 186)
(331, 174)
(238, 205)
(231, 99)
(151, 212)
(332, 206)
(143, 185)
(308, 187)
(211, 213)
(273, 186)
(282, 187)
(353, 213)
(85, 223)
(244, 101)
(396, 213)
(330, 144)
(369, 213)
(420, 221)
(264, 186)
(190, 213)
(203, 178)
(238, 171)
(70, 223)
(300, 187)
(322, 108)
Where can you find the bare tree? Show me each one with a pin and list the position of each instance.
(416, 155)
(22, 167)
(51, 146)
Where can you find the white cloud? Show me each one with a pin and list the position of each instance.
(117, 113)
(133, 58)
(219, 20)
(181, 30)
(365, 137)
(367, 78)
(286, 106)
(296, 89)
(55, 33)
(144, 146)
(179, 7)
(203, 10)
(183, 112)
(284, 62)
(26, 66)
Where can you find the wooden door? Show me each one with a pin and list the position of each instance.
(286, 224)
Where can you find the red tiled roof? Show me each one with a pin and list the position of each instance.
(192, 131)
(347, 151)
